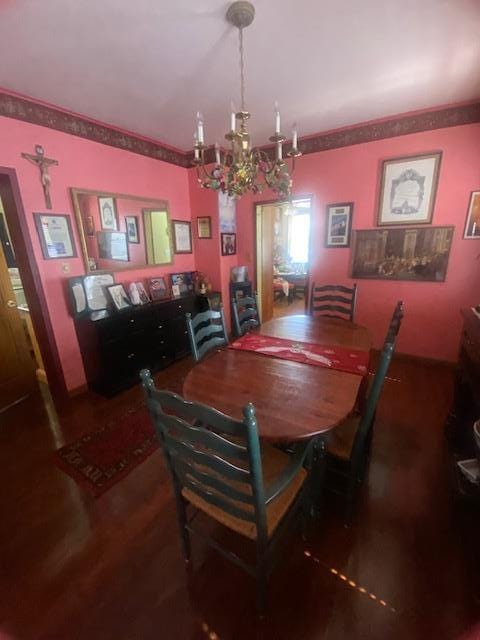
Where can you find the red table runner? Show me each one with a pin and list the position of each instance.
(332, 357)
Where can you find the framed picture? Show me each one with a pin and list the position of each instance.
(472, 223)
(131, 225)
(142, 292)
(408, 187)
(229, 244)
(55, 234)
(417, 254)
(227, 215)
(339, 224)
(112, 245)
(119, 296)
(182, 280)
(90, 226)
(204, 227)
(108, 213)
(158, 288)
(182, 236)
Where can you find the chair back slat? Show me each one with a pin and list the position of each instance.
(324, 297)
(206, 331)
(218, 501)
(245, 314)
(211, 455)
(231, 491)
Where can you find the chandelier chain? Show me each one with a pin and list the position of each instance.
(242, 72)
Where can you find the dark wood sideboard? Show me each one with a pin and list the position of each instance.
(466, 405)
(116, 348)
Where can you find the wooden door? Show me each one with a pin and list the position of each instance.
(265, 215)
(17, 371)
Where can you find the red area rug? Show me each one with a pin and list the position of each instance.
(332, 357)
(101, 458)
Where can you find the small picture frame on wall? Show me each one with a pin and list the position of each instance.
(408, 187)
(229, 244)
(131, 225)
(119, 297)
(108, 213)
(55, 234)
(472, 223)
(182, 236)
(339, 224)
(158, 288)
(204, 227)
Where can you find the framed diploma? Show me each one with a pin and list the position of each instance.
(182, 236)
(204, 227)
(408, 187)
(55, 234)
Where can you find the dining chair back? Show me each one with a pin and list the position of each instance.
(206, 331)
(245, 314)
(349, 448)
(217, 467)
(333, 300)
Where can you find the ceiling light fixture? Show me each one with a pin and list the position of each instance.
(242, 168)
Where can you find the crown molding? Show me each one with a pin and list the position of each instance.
(46, 116)
(20, 108)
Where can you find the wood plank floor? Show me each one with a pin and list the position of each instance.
(73, 567)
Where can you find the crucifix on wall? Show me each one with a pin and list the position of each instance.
(43, 164)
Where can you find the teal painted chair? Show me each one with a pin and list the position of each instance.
(245, 314)
(333, 301)
(349, 445)
(206, 331)
(218, 467)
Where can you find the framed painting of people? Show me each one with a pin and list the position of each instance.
(408, 187)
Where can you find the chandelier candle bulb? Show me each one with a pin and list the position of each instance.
(232, 120)
(200, 128)
(294, 137)
(277, 118)
(217, 153)
(279, 151)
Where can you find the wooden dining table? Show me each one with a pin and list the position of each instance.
(293, 400)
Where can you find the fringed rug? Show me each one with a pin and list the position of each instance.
(101, 458)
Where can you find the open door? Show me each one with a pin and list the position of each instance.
(265, 219)
(17, 370)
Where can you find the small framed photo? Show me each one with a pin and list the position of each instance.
(158, 288)
(229, 244)
(182, 236)
(137, 293)
(339, 224)
(55, 234)
(119, 296)
(183, 281)
(142, 292)
(131, 225)
(108, 213)
(204, 227)
(408, 187)
(472, 223)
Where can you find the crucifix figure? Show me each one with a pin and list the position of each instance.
(43, 164)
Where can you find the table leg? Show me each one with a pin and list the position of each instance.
(319, 468)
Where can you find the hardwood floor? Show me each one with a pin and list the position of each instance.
(73, 567)
(282, 308)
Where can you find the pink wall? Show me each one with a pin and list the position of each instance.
(86, 165)
(432, 324)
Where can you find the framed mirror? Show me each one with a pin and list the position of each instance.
(120, 231)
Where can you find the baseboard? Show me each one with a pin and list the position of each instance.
(77, 391)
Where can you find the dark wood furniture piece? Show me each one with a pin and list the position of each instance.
(333, 300)
(217, 467)
(466, 404)
(349, 445)
(206, 331)
(116, 348)
(239, 290)
(245, 314)
(292, 400)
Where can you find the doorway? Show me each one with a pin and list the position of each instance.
(283, 256)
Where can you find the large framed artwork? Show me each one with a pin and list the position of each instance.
(339, 224)
(472, 223)
(408, 187)
(417, 254)
(55, 234)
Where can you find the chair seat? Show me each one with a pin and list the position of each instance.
(273, 464)
(340, 440)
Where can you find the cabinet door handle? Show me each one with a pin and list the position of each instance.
(162, 341)
(160, 326)
(180, 306)
(130, 356)
(185, 332)
(132, 319)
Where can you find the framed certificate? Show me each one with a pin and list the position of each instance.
(55, 234)
(182, 236)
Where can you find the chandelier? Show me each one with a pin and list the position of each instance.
(242, 168)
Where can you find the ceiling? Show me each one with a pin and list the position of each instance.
(148, 66)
